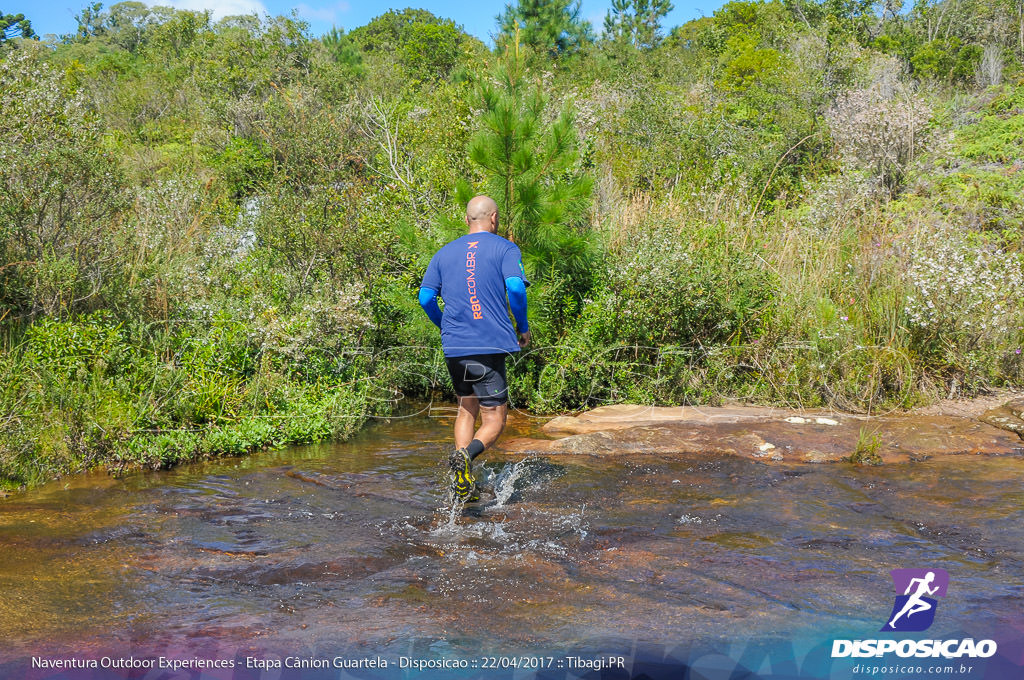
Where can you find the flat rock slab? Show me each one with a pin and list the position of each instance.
(770, 435)
(1009, 416)
(621, 416)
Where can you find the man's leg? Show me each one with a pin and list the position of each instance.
(491, 426)
(460, 461)
(492, 394)
(465, 421)
(492, 423)
(485, 376)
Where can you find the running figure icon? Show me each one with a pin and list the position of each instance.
(915, 603)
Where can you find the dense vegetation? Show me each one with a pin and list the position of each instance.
(212, 233)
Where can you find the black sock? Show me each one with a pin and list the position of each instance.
(475, 448)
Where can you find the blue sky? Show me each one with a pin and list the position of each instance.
(478, 18)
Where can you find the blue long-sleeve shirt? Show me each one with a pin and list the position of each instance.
(428, 301)
(515, 287)
(480, 277)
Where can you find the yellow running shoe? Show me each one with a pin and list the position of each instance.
(463, 485)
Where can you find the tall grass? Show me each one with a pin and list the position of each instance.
(680, 318)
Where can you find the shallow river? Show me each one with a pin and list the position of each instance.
(349, 548)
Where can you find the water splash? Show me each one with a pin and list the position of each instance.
(573, 523)
(453, 510)
(505, 484)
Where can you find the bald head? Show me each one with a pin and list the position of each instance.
(482, 214)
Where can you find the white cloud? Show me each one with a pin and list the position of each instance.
(219, 8)
(327, 14)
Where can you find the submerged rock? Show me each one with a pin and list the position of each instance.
(769, 434)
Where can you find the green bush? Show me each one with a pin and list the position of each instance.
(672, 286)
(666, 297)
(246, 165)
(62, 348)
(58, 192)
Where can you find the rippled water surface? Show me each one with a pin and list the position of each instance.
(350, 547)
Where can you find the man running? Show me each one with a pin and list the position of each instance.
(473, 274)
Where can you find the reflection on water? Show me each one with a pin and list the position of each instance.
(349, 547)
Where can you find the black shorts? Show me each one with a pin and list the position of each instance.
(480, 375)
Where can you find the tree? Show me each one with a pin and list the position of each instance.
(387, 32)
(531, 168)
(636, 22)
(547, 26)
(343, 50)
(427, 46)
(15, 24)
(618, 22)
(431, 50)
(90, 23)
(128, 24)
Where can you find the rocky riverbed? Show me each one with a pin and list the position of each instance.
(352, 549)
